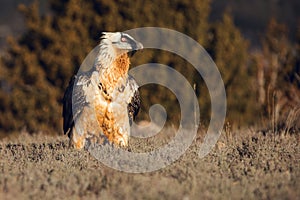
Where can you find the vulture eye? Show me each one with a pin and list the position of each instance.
(123, 39)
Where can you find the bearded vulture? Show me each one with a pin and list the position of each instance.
(100, 104)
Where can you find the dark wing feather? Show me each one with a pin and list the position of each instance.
(73, 103)
(135, 102)
(67, 107)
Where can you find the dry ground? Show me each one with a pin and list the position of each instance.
(243, 165)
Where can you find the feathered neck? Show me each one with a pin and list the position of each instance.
(115, 75)
(121, 64)
(106, 55)
(109, 58)
(112, 68)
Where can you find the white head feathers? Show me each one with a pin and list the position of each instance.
(113, 45)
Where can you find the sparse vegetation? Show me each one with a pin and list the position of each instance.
(247, 165)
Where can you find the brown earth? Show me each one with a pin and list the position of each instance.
(243, 165)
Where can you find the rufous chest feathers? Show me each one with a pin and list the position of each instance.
(116, 74)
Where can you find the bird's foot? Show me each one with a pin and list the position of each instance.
(120, 140)
(77, 144)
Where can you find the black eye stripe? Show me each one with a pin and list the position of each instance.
(128, 38)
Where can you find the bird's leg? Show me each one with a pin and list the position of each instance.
(77, 142)
(114, 133)
(110, 128)
(90, 141)
(120, 138)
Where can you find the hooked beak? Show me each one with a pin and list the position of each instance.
(139, 46)
(135, 47)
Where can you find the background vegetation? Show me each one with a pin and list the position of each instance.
(35, 70)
